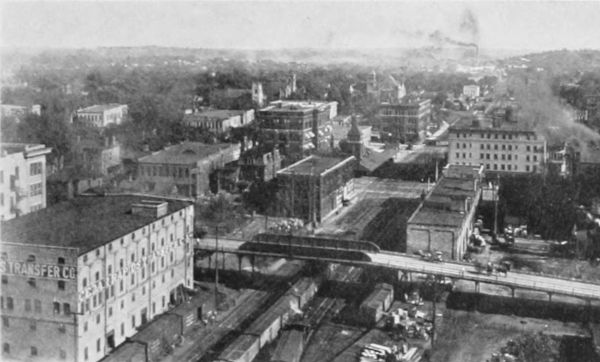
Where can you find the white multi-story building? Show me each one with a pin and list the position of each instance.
(471, 91)
(22, 179)
(499, 147)
(80, 277)
(102, 115)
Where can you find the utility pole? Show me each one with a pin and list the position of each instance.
(495, 190)
(216, 267)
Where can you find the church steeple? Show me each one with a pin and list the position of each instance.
(354, 133)
(354, 139)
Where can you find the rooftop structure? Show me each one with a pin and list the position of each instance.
(84, 223)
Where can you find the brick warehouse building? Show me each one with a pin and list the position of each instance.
(315, 187)
(80, 277)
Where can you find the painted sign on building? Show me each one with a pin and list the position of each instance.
(33, 270)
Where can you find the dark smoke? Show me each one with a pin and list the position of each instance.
(439, 40)
(469, 25)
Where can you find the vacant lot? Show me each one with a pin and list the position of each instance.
(472, 336)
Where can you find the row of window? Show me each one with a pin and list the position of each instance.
(35, 168)
(96, 299)
(496, 136)
(503, 147)
(133, 235)
(165, 171)
(62, 328)
(33, 351)
(503, 157)
(36, 306)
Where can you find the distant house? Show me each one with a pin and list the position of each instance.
(186, 167)
(219, 121)
(102, 115)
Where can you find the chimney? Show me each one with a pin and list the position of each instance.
(151, 208)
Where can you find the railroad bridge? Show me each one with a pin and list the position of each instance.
(364, 253)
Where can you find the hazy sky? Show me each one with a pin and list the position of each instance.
(531, 25)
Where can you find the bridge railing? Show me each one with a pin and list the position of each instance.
(467, 264)
(547, 287)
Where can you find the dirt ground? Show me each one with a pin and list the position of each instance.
(534, 257)
(472, 336)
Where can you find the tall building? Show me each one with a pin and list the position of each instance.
(102, 115)
(297, 127)
(500, 146)
(315, 187)
(404, 121)
(22, 179)
(80, 277)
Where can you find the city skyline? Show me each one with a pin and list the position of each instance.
(300, 24)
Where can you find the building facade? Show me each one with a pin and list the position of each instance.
(471, 91)
(315, 187)
(187, 167)
(297, 127)
(22, 179)
(404, 121)
(259, 164)
(73, 291)
(498, 146)
(444, 220)
(219, 121)
(102, 115)
(97, 154)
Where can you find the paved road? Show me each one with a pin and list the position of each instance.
(406, 262)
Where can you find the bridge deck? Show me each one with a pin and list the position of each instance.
(514, 279)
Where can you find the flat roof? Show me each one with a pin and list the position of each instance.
(487, 124)
(431, 216)
(30, 149)
(84, 222)
(214, 113)
(314, 165)
(294, 106)
(185, 153)
(98, 108)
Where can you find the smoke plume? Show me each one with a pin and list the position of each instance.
(470, 26)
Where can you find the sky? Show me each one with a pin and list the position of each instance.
(517, 25)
